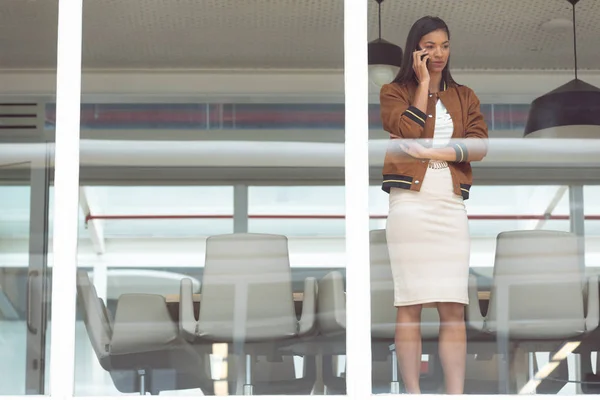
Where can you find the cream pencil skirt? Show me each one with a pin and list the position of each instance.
(429, 242)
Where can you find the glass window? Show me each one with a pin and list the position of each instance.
(297, 211)
(208, 209)
(161, 211)
(214, 116)
(27, 77)
(482, 274)
(496, 209)
(591, 194)
(216, 241)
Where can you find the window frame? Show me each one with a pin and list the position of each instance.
(356, 190)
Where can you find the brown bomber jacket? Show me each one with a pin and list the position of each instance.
(404, 121)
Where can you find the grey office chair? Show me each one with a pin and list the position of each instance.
(541, 288)
(540, 297)
(247, 301)
(141, 347)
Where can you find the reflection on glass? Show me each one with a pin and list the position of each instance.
(591, 205)
(14, 256)
(202, 236)
(151, 238)
(532, 317)
(240, 116)
(28, 31)
(522, 252)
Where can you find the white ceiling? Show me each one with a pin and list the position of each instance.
(284, 34)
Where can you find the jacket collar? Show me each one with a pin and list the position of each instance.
(443, 86)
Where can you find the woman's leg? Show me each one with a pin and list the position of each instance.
(453, 345)
(408, 346)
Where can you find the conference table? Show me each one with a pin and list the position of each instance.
(173, 302)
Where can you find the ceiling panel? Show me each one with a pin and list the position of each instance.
(501, 34)
(283, 34)
(28, 33)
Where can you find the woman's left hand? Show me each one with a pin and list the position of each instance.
(415, 149)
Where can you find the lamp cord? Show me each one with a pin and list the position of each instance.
(379, 7)
(574, 40)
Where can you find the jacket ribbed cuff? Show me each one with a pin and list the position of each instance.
(462, 154)
(416, 115)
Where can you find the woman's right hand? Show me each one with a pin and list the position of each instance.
(420, 65)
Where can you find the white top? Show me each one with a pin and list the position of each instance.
(443, 126)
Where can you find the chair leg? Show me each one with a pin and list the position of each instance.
(142, 381)
(248, 387)
(395, 384)
(319, 386)
(504, 360)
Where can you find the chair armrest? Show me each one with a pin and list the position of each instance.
(308, 320)
(331, 306)
(142, 323)
(187, 319)
(592, 317)
(475, 319)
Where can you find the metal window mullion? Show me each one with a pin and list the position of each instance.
(66, 196)
(577, 226)
(358, 302)
(240, 208)
(37, 287)
(577, 219)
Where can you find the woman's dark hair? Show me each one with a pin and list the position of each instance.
(420, 28)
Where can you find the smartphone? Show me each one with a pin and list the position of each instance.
(423, 56)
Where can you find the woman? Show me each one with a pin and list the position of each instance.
(437, 130)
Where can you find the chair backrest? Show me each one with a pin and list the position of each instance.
(95, 316)
(383, 312)
(537, 276)
(331, 304)
(247, 289)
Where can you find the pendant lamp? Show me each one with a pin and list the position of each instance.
(385, 58)
(571, 111)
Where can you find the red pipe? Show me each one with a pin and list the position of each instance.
(229, 216)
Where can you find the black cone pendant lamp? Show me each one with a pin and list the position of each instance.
(571, 111)
(385, 58)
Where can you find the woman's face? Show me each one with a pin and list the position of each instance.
(438, 47)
